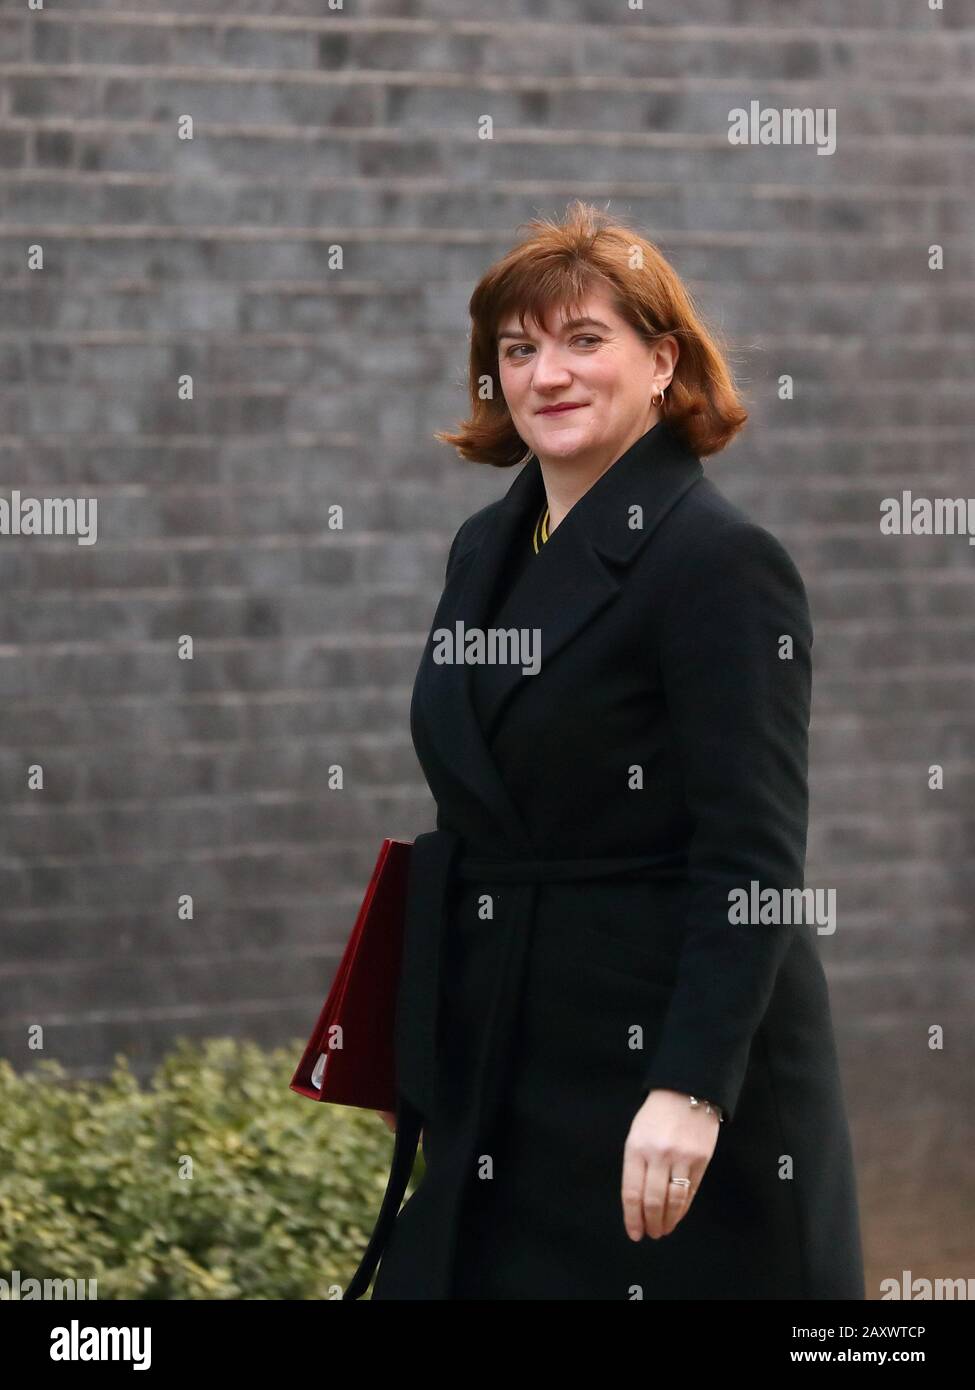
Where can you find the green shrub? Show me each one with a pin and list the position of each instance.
(214, 1181)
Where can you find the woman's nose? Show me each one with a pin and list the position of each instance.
(550, 370)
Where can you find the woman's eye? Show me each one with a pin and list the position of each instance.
(581, 338)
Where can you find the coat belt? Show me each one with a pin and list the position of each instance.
(516, 869)
(438, 860)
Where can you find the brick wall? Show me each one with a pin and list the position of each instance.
(315, 386)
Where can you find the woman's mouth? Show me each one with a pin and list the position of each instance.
(558, 409)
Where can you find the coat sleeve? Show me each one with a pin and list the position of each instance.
(739, 708)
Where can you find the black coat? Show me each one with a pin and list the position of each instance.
(568, 941)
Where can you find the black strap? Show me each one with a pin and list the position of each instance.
(408, 1125)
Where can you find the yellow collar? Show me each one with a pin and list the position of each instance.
(541, 529)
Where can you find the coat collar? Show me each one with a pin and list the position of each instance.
(578, 572)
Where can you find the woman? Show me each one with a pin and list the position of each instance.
(626, 1087)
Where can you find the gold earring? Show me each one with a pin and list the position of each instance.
(661, 401)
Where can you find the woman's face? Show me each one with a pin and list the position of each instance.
(602, 368)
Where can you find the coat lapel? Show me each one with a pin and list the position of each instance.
(577, 573)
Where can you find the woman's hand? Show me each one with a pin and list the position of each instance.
(668, 1138)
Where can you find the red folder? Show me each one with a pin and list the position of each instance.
(349, 1059)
